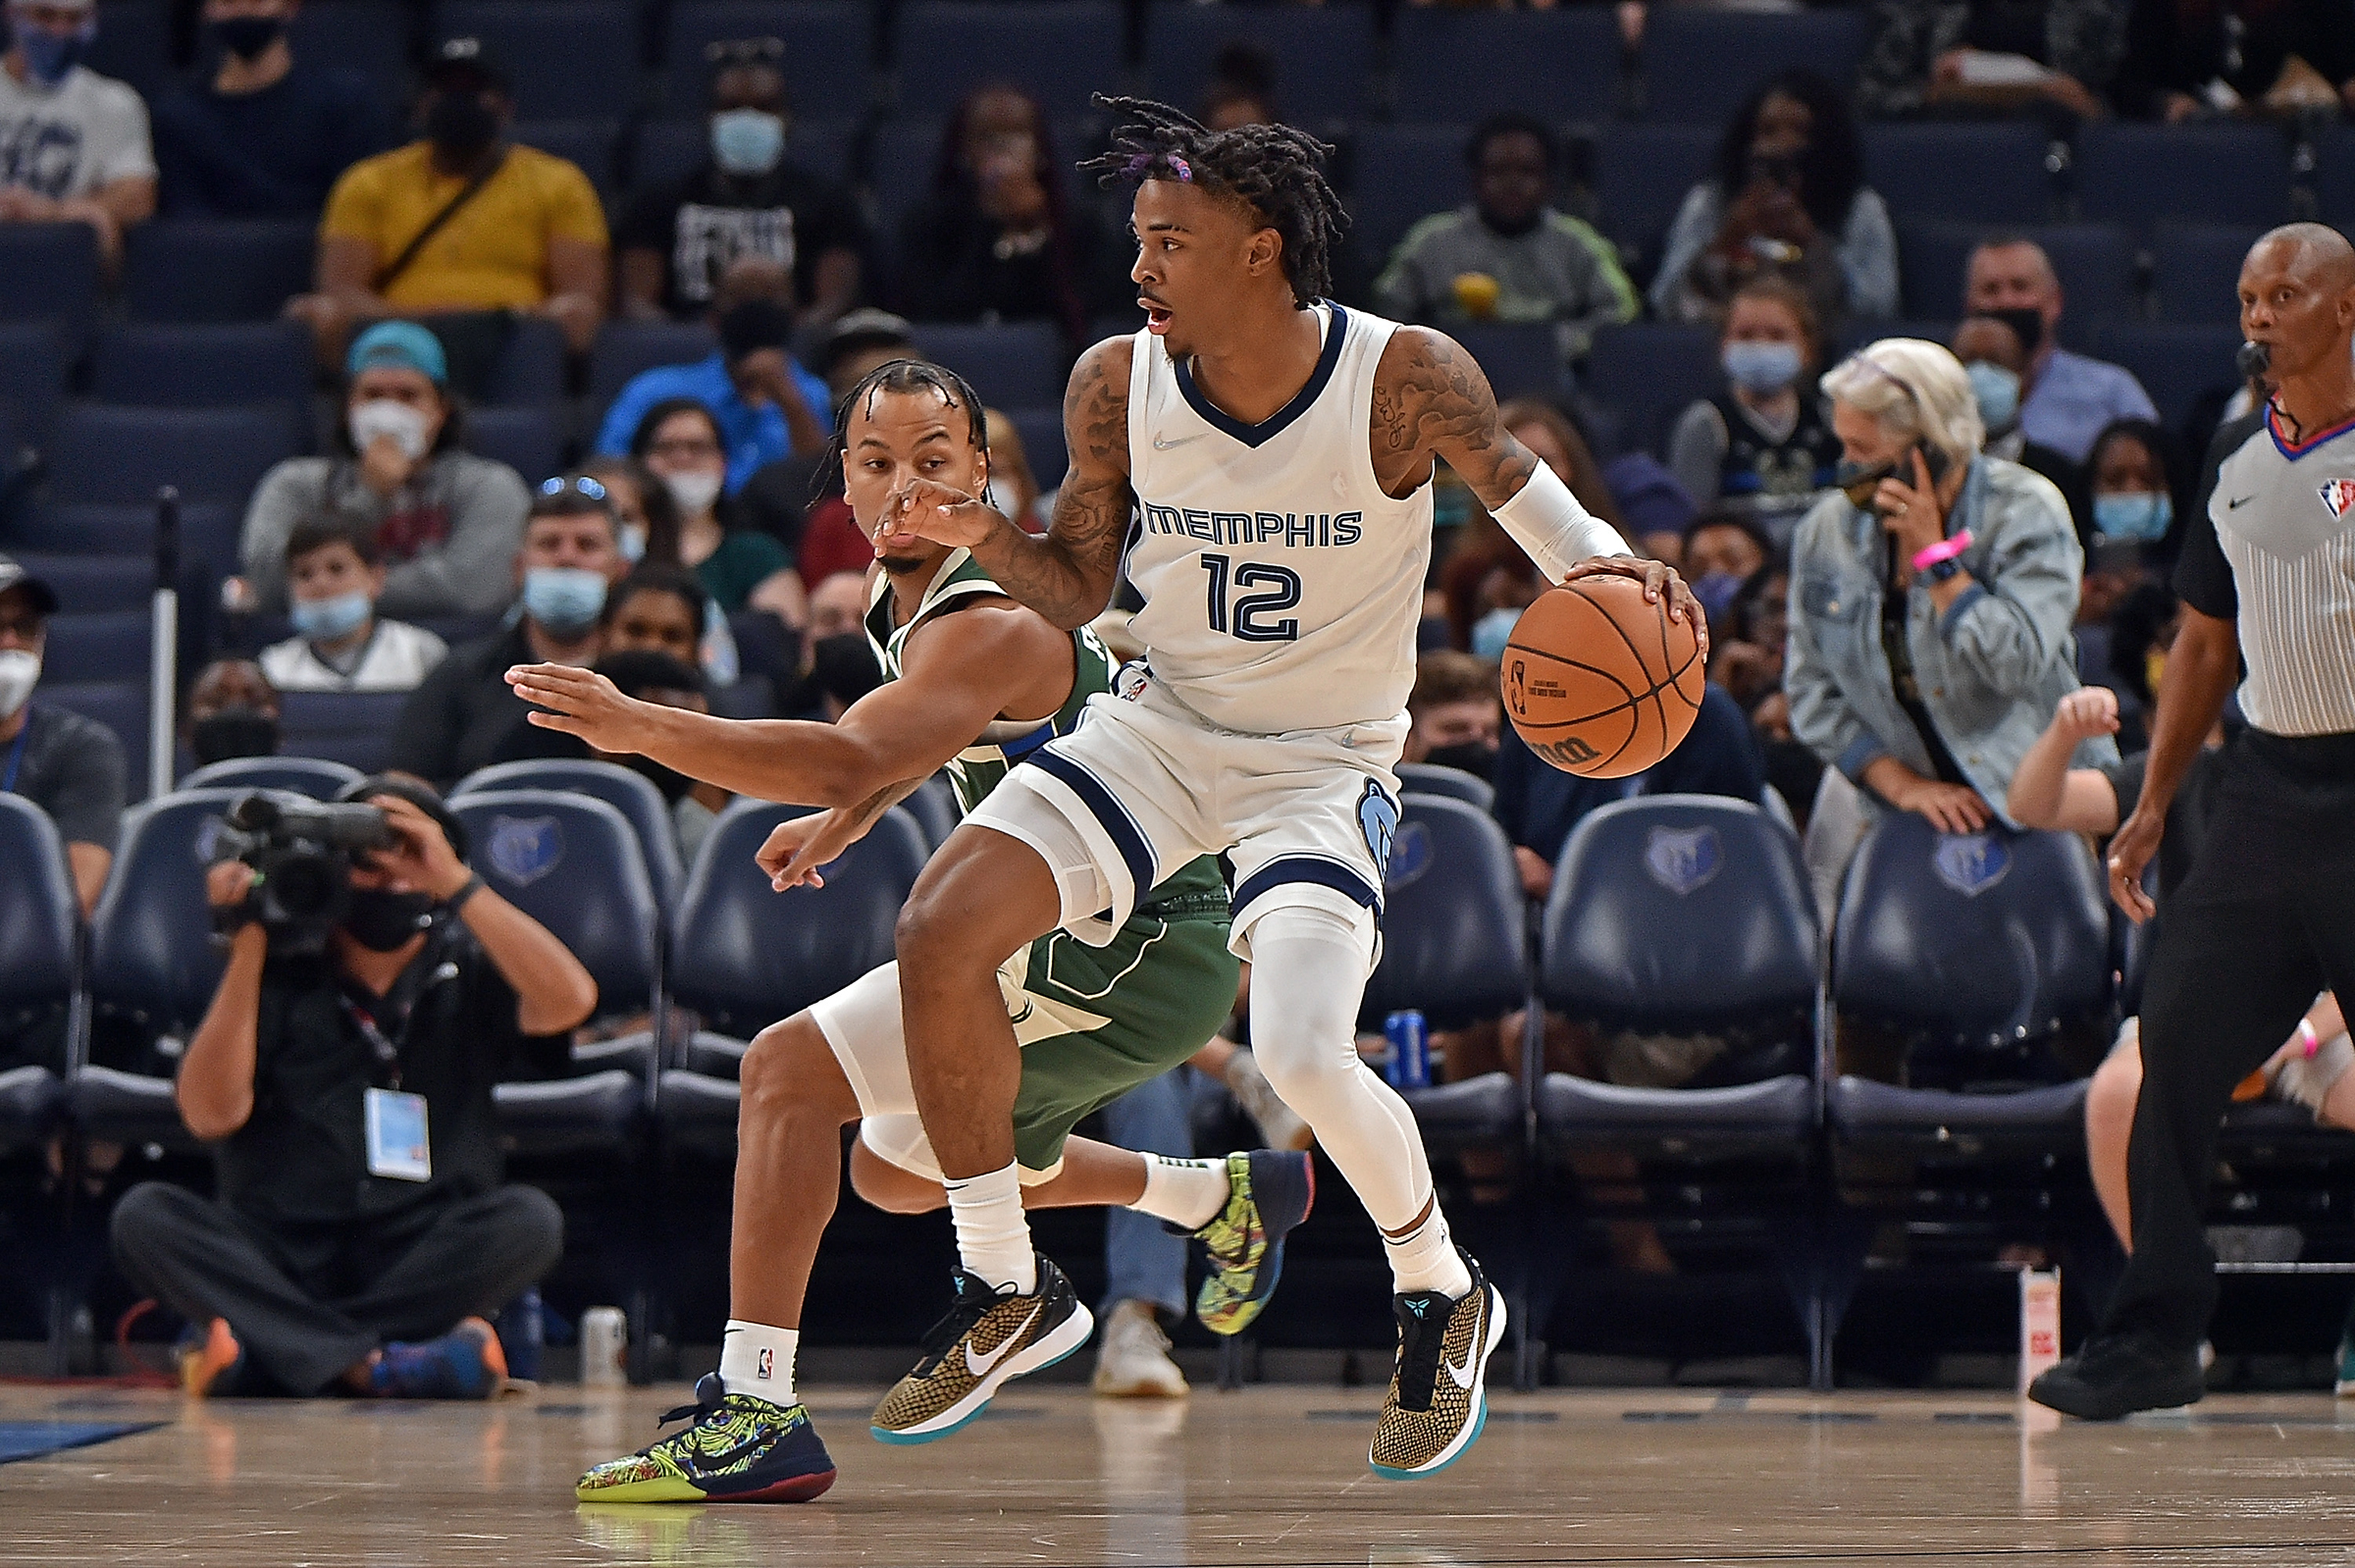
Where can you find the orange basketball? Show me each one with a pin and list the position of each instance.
(1598, 682)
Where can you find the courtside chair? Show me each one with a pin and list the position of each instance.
(38, 920)
(631, 794)
(314, 777)
(1428, 778)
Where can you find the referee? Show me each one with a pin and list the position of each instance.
(2266, 917)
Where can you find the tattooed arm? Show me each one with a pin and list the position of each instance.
(1069, 575)
(1433, 402)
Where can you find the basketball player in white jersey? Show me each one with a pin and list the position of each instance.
(1277, 451)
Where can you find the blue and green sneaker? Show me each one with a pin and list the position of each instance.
(738, 1449)
(1269, 1191)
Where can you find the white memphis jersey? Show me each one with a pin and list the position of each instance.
(1281, 586)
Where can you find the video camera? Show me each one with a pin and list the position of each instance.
(301, 851)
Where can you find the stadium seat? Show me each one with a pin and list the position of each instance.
(1649, 373)
(2175, 364)
(2095, 263)
(1428, 778)
(1733, 51)
(1017, 364)
(543, 44)
(2198, 271)
(134, 45)
(370, 37)
(1041, 430)
(900, 166)
(52, 273)
(350, 728)
(38, 922)
(93, 584)
(2218, 173)
(100, 646)
(1466, 64)
(827, 62)
(208, 534)
(123, 455)
(320, 779)
(532, 370)
(34, 365)
(631, 794)
(1641, 175)
(225, 365)
(590, 145)
(1519, 360)
(935, 809)
(119, 705)
(1059, 50)
(572, 863)
(625, 348)
(216, 270)
(1980, 171)
(1324, 55)
(1398, 175)
(525, 440)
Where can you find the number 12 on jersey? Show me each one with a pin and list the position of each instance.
(1243, 617)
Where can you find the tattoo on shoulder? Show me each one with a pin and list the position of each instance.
(1432, 397)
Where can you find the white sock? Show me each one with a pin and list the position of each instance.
(1426, 1259)
(993, 1236)
(1186, 1193)
(757, 1360)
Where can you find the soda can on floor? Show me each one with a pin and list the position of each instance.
(605, 1347)
(1409, 1065)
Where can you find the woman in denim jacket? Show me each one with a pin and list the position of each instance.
(1928, 695)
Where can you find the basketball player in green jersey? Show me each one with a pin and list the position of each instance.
(973, 682)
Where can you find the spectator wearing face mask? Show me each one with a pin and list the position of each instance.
(232, 712)
(464, 716)
(2066, 397)
(747, 200)
(680, 442)
(1995, 357)
(1723, 550)
(1483, 552)
(335, 577)
(1764, 444)
(2137, 474)
(267, 134)
(67, 765)
(77, 146)
(444, 522)
(765, 406)
(1454, 713)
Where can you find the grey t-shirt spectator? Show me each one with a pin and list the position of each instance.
(71, 767)
(63, 143)
(1561, 271)
(448, 537)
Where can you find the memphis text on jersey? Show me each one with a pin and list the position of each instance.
(1332, 530)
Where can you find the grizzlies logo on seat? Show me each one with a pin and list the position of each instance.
(1971, 862)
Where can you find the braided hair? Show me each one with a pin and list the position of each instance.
(1277, 171)
(899, 376)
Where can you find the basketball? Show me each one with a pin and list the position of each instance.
(1600, 682)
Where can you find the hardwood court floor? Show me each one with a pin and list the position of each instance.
(1271, 1474)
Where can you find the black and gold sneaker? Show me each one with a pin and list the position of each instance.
(1439, 1397)
(986, 1341)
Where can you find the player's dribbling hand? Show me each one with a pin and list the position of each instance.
(2130, 849)
(924, 509)
(2087, 712)
(1659, 579)
(579, 702)
(794, 850)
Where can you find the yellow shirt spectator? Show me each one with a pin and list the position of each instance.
(493, 254)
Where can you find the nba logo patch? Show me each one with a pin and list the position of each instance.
(1129, 682)
(768, 1366)
(2338, 495)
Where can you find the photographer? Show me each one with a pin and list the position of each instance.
(362, 1232)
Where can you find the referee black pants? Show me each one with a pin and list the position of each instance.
(2264, 920)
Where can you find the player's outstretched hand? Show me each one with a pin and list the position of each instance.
(2130, 849)
(579, 702)
(924, 509)
(1659, 580)
(794, 850)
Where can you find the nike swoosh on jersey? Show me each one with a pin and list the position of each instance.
(980, 1369)
(1161, 445)
(1463, 1374)
(2235, 505)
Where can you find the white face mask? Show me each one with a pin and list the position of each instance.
(382, 416)
(19, 673)
(695, 490)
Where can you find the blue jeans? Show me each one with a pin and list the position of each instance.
(1142, 1261)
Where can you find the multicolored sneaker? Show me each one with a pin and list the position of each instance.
(1428, 1419)
(739, 1449)
(1269, 1192)
(210, 1360)
(465, 1363)
(986, 1341)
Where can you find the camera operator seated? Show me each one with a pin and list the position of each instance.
(362, 1233)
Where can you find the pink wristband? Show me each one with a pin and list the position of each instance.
(1946, 550)
(2306, 1033)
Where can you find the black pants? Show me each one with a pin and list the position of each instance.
(308, 1302)
(2264, 920)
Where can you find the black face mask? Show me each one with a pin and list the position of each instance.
(673, 784)
(1471, 757)
(233, 732)
(462, 126)
(753, 326)
(843, 667)
(380, 920)
(2027, 325)
(248, 36)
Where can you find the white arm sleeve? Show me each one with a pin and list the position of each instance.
(1546, 520)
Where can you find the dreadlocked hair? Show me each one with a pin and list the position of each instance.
(1277, 171)
(899, 376)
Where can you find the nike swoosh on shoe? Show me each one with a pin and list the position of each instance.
(980, 1369)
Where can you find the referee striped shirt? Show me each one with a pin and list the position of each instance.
(2276, 549)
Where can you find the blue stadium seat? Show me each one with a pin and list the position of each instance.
(1041, 430)
(525, 440)
(1980, 171)
(314, 777)
(631, 794)
(898, 169)
(1854, 335)
(1019, 363)
(670, 150)
(2175, 364)
(147, 365)
(543, 43)
(1059, 50)
(2334, 174)
(2137, 174)
(217, 270)
(1398, 175)
(93, 584)
(1324, 54)
(1466, 64)
(119, 705)
(625, 348)
(52, 273)
(532, 370)
(2095, 263)
(38, 920)
(1649, 373)
(572, 863)
(1520, 360)
(2198, 271)
(350, 728)
(935, 809)
(590, 145)
(827, 64)
(1643, 174)
(123, 455)
(1733, 51)
(1428, 778)
(208, 534)
(369, 36)
(134, 45)
(34, 365)
(99, 645)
